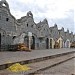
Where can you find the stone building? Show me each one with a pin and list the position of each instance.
(62, 35)
(25, 30)
(67, 39)
(27, 25)
(54, 35)
(71, 37)
(7, 24)
(74, 37)
(43, 34)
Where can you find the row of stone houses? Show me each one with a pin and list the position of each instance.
(25, 30)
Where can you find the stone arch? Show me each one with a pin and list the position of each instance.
(67, 43)
(19, 38)
(4, 3)
(30, 14)
(47, 43)
(51, 43)
(26, 40)
(33, 43)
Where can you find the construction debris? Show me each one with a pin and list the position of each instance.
(18, 68)
(73, 45)
(23, 47)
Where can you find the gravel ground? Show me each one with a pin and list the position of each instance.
(67, 68)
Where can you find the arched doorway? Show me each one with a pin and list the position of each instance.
(0, 41)
(51, 43)
(26, 41)
(33, 43)
(61, 43)
(47, 43)
(67, 43)
(57, 45)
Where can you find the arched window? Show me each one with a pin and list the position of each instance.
(7, 19)
(4, 4)
(14, 37)
(27, 24)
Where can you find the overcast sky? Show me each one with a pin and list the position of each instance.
(60, 12)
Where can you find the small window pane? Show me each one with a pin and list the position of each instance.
(7, 19)
(27, 24)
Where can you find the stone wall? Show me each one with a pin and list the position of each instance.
(11, 27)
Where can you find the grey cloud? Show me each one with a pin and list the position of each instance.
(16, 5)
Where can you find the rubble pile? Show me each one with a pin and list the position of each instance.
(18, 68)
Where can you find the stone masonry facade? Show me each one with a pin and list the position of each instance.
(14, 31)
